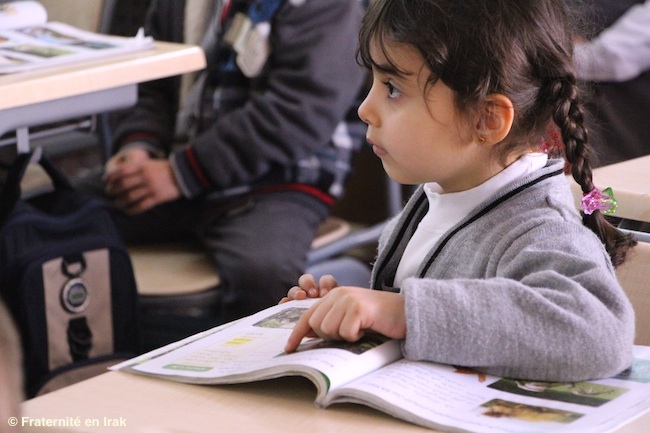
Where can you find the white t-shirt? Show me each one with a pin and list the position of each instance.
(446, 210)
(621, 52)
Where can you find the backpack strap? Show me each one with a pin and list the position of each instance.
(58, 178)
(10, 191)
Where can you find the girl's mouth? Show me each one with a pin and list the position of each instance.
(378, 150)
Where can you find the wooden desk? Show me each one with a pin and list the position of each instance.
(153, 405)
(63, 92)
(148, 405)
(630, 181)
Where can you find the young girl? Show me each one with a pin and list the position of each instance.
(489, 265)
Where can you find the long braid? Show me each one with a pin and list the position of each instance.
(569, 117)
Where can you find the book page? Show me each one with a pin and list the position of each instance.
(458, 399)
(17, 14)
(253, 349)
(52, 44)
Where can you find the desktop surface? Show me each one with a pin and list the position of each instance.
(131, 403)
(138, 404)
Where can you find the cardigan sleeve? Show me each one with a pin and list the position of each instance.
(547, 306)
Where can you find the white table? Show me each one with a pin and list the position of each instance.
(74, 90)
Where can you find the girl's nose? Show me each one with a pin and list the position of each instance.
(365, 112)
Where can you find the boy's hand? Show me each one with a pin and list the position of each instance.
(307, 288)
(137, 182)
(347, 313)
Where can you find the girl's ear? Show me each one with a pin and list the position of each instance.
(495, 119)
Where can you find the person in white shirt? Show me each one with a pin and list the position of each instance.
(621, 52)
(615, 68)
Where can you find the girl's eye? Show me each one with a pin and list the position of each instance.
(392, 90)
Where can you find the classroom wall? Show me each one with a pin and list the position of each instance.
(84, 14)
(128, 15)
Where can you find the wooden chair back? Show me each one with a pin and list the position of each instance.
(634, 276)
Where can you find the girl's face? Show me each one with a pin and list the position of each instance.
(416, 129)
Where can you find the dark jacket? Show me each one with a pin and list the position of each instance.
(286, 129)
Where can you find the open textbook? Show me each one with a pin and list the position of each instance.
(372, 372)
(28, 41)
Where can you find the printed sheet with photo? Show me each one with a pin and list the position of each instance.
(28, 41)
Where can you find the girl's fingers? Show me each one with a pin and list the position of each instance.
(307, 282)
(296, 293)
(300, 331)
(326, 283)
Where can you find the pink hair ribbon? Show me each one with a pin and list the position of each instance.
(599, 200)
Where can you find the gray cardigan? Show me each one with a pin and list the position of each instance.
(519, 288)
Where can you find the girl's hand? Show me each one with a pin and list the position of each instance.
(307, 287)
(347, 313)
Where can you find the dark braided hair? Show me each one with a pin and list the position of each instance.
(521, 49)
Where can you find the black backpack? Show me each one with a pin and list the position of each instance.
(67, 280)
